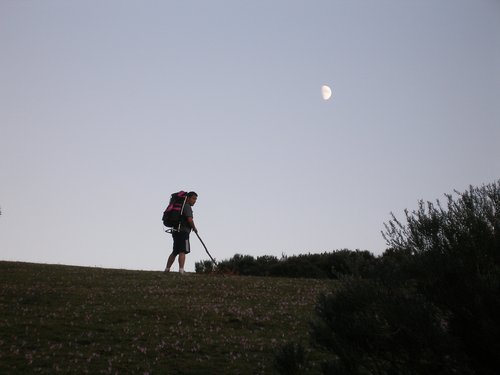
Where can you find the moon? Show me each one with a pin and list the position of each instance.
(326, 92)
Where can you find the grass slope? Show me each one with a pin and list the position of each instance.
(90, 320)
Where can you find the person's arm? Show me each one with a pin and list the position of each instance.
(191, 224)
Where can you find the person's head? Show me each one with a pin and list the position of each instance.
(191, 198)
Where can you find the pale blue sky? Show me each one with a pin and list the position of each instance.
(107, 107)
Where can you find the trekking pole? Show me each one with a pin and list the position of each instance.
(213, 261)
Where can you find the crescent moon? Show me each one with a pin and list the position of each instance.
(326, 92)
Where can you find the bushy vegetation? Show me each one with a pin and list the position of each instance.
(431, 304)
(319, 266)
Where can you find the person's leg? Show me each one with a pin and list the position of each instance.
(185, 250)
(170, 261)
(178, 240)
(182, 260)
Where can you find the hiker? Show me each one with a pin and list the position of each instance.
(181, 236)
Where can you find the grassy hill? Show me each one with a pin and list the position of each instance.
(101, 321)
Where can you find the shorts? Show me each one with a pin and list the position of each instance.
(181, 243)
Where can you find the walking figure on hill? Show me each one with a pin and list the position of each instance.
(181, 236)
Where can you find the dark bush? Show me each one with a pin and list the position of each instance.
(298, 266)
(264, 264)
(205, 266)
(353, 263)
(326, 265)
(453, 253)
(372, 328)
(432, 302)
(240, 264)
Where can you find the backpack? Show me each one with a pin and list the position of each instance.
(172, 215)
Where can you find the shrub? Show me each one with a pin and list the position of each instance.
(372, 328)
(454, 255)
(432, 302)
(240, 264)
(205, 266)
(327, 265)
(353, 263)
